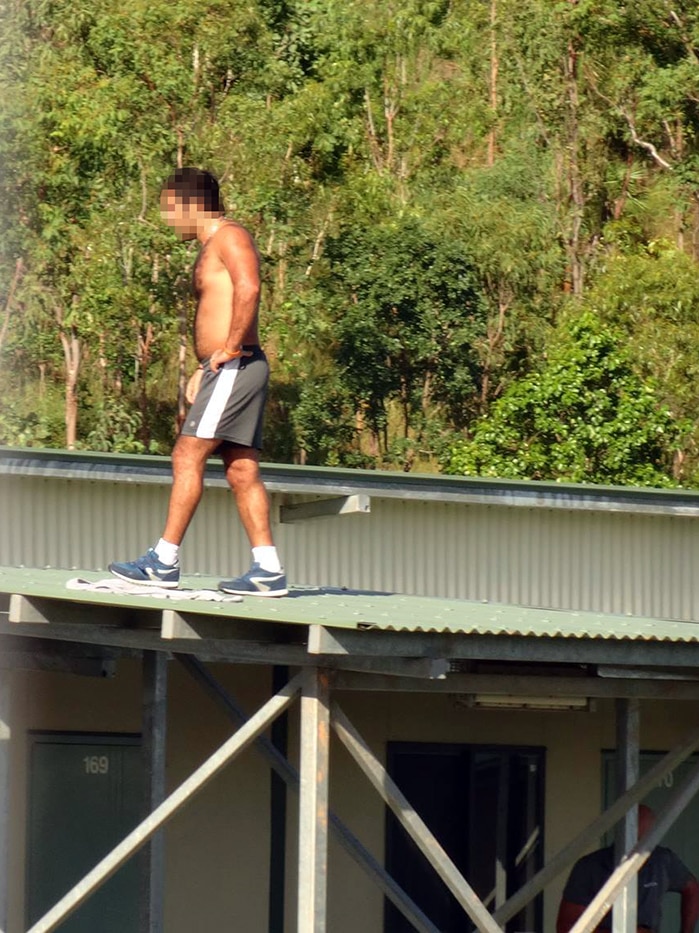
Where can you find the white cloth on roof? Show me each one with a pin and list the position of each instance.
(125, 588)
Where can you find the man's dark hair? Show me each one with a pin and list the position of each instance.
(194, 184)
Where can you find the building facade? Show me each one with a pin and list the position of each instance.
(528, 632)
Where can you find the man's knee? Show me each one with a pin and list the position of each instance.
(190, 454)
(242, 473)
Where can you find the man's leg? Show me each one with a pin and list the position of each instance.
(266, 577)
(159, 566)
(189, 458)
(243, 474)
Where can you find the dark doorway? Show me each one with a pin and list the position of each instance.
(85, 796)
(485, 805)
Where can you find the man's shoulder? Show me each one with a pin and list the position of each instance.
(588, 875)
(667, 856)
(233, 231)
(599, 857)
(595, 864)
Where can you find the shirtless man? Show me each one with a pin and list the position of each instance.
(227, 392)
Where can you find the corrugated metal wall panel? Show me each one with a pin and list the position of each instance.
(599, 561)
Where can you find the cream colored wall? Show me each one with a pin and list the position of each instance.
(218, 847)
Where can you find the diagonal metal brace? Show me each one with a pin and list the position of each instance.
(638, 856)
(411, 822)
(279, 764)
(167, 809)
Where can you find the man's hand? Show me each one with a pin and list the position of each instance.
(193, 384)
(219, 357)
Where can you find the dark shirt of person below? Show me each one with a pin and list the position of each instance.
(664, 871)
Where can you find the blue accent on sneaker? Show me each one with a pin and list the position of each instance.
(256, 582)
(148, 570)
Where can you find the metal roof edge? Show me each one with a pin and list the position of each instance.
(314, 480)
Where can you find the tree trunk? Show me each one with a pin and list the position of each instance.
(145, 342)
(575, 182)
(494, 68)
(71, 352)
(19, 268)
(182, 368)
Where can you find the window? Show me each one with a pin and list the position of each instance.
(485, 806)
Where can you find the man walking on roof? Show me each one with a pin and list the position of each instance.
(227, 392)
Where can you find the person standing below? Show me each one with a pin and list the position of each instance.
(662, 872)
(227, 392)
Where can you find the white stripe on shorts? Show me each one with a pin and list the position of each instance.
(219, 398)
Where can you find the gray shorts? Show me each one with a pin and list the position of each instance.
(230, 403)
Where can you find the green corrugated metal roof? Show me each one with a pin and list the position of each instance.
(350, 609)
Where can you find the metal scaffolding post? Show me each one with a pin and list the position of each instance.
(279, 734)
(313, 804)
(154, 742)
(4, 795)
(349, 842)
(627, 773)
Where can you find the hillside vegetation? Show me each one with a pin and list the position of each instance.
(478, 222)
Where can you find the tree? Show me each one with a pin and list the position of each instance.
(585, 416)
(406, 317)
(650, 295)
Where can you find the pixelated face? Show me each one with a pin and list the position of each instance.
(179, 214)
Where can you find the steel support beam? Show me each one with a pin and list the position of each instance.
(167, 809)
(154, 743)
(523, 685)
(411, 822)
(325, 508)
(638, 856)
(290, 776)
(279, 738)
(591, 834)
(549, 649)
(627, 773)
(313, 802)
(5, 733)
(321, 641)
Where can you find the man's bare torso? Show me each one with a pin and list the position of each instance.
(214, 292)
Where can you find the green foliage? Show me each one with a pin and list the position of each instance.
(427, 181)
(32, 421)
(584, 417)
(406, 316)
(27, 430)
(116, 429)
(650, 294)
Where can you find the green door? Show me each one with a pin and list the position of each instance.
(682, 838)
(85, 796)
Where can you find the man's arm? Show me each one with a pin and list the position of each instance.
(568, 913)
(239, 255)
(690, 906)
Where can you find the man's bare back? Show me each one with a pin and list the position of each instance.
(226, 281)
